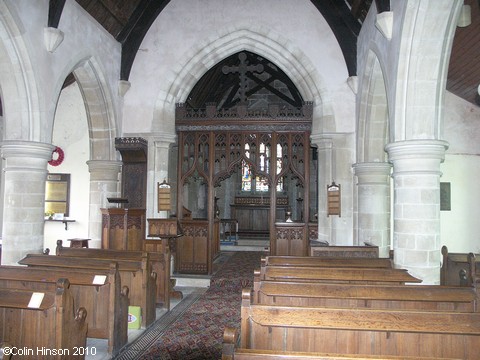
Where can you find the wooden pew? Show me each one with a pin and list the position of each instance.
(160, 264)
(336, 275)
(360, 331)
(311, 261)
(54, 326)
(137, 275)
(230, 351)
(458, 269)
(368, 251)
(98, 291)
(412, 297)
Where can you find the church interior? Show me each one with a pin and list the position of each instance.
(215, 179)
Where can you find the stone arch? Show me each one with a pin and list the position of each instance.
(99, 109)
(373, 114)
(373, 221)
(18, 86)
(424, 52)
(200, 59)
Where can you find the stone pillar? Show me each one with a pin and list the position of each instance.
(416, 214)
(24, 198)
(374, 204)
(104, 183)
(158, 164)
(325, 160)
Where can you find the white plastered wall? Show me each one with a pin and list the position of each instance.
(175, 54)
(31, 78)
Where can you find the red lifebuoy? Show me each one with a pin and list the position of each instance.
(60, 156)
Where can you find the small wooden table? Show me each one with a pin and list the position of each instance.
(78, 243)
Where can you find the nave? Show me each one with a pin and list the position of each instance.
(342, 302)
(193, 328)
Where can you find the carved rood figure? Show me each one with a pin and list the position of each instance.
(242, 69)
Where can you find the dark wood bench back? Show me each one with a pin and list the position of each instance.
(98, 291)
(345, 251)
(231, 351)
(360, 331)
(338, 274)
(137, 275)
(160, 264)
(413, 297)
(56, 324)
(327, 262)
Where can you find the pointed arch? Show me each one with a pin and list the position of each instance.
(99, 109)
(200, 59)
(424, 54)
(373, 119)
(20, 98)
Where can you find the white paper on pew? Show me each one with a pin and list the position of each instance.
(99, 279)
(36, 300)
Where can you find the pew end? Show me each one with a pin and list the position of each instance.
(63, 325)
(459, 269)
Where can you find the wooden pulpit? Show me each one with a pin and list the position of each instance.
(123, 229)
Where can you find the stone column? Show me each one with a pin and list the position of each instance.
(374, 204)
(325, 160)
(24, 198)
(416, 214)
(104, 183)
(158, 164)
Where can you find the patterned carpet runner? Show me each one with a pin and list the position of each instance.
(193, 330)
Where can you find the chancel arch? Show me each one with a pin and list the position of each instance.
(296, 65)
(244, 153)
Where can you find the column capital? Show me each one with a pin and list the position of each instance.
(417, 156)
(372, 172)
(104, 169)
(26, 155)
(164, 141)
(321, 141)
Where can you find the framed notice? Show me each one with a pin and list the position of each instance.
(445, 203)
(57, 193)
(333, 199)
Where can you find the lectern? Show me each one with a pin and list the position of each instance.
(161, 238)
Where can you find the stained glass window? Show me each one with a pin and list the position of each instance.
(260, 183)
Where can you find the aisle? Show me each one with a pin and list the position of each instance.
(194, 328)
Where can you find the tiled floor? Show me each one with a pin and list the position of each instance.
(97, 348)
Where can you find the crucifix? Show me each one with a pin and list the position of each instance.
(242, 69)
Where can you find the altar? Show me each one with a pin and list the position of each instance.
(253, 214)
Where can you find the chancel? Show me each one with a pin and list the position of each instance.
(240, 180)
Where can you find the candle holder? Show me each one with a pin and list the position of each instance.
(288, 216)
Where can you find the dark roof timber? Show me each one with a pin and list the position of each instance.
(129, 20)
(134, 31)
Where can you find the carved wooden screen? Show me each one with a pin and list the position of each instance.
(214, 144)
